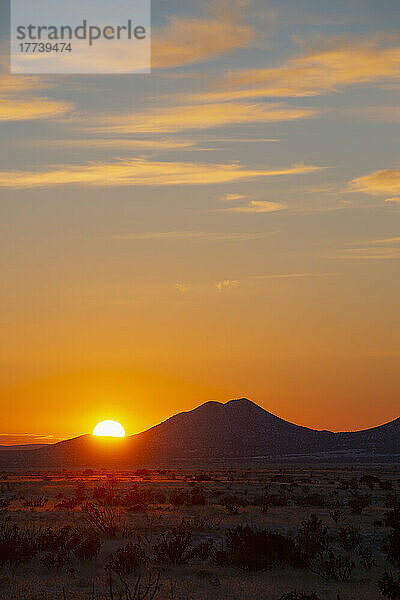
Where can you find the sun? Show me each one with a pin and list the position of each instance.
(109, 428)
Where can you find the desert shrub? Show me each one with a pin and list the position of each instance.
(314, 499)
(178, 497)
(88, 546)
(202, 477)
(391, 548)
(367, 560)
(194, 497)
(392, 518)
(370, 481)
(16, 545)
(349, 538)
(38, 502)
(204, 550)
(101, 518)
(336, 515)
(276, 500)
(80, 492)
(67, 504)
(126, 560)
(232, 504)
(328, 566)
(389, 587)
(256, 549)
(59, 546)
(358, 502)
(175, 547)
(299, 596)
(386, 485)
(312, 538)
(197, 497)
(4, 503)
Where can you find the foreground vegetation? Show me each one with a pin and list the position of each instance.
(293, 533)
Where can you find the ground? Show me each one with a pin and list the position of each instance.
(199, 507)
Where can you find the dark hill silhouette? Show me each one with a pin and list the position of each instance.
(237, 430)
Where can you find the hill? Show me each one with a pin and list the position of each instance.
(234, 431)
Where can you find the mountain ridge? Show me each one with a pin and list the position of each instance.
(235, 430)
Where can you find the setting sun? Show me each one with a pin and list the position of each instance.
(109, 428)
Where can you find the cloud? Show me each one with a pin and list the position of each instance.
(38, 108)
(257, 206)
(371, 254)
(15, 107)
(327, 65)
(227, 283)
(378, 249)
(181, 287)
(189, 40)
(207, 236)
(386, 181)
(146, 144)
(200, 116)
(231, 197)
(139, 171)
(393, 200)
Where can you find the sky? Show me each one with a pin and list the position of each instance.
(226, 226)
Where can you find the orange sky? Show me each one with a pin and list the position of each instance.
(227, 226)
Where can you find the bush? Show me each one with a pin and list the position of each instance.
(175, 547)
(38, 502)
(16, 545)
(358, 502)
(102, 518)
(126, 560)
(329, 566)
(256, 549)
(389, 587)
(296, 596)
(204, 550)
(391, 548)
(312, 538)
(349, 538)
(335, 515)
(232, 504)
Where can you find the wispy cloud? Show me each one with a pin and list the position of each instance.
(370, 254)
(18, 104)
(379, 183)
(142, 172)
(189, 40)
(328, 64)
(231, 197)
(226, 284)
(257, 206)
(198, 116)
(207, 236)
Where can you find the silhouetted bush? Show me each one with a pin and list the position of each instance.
(256, 549)
(312, 538)
(349, 538)
(389, 586)
(126, 560)
(232, 504)
(101, 518)
(16, 545)
(336, 515)
(358, 502)
(175, 547)
(39, 502)
(329, 566)
(300, 596)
